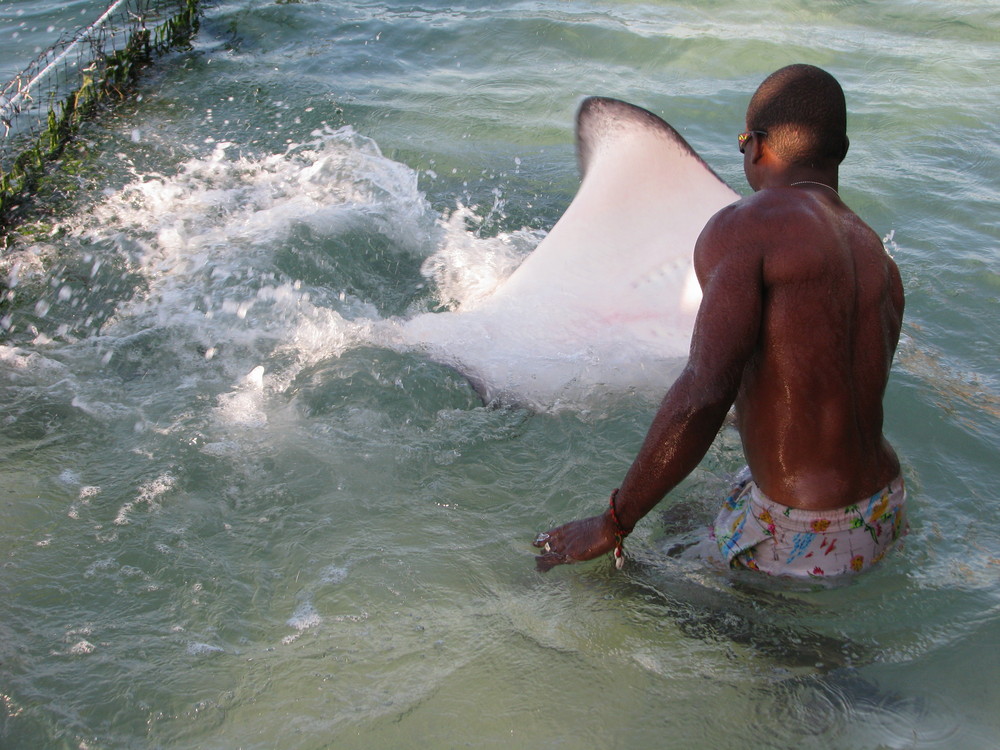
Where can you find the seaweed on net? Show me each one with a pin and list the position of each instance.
(43, 106)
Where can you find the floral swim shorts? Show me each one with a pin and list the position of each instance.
(755, 532)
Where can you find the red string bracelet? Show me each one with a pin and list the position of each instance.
(620, 532)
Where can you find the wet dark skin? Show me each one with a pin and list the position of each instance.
(798, 324)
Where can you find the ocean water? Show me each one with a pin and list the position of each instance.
(236, 514)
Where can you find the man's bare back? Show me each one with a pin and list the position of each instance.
(809, 406)
(799, 320)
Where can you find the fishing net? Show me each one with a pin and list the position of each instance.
(42, 107)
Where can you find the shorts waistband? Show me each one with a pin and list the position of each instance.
(831, 519)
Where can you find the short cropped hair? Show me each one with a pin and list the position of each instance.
(803, 111)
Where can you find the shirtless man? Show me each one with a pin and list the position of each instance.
(799, 321)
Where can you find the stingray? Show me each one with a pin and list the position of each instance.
(608, 299)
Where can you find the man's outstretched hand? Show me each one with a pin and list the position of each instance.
(575, 542)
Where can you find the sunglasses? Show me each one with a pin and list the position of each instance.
(743, 138)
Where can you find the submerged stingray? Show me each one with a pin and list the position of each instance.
(609, 297)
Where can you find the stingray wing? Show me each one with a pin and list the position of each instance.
(612, 286)
(620, 255)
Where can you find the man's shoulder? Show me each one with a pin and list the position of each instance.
(731, 239)
(780, 216)
(757, 210)
(746, 223)
(780, 232)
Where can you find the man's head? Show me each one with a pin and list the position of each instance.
(801, 109)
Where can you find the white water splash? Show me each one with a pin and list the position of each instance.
(149, 495)
(304, 618)
(466, 268)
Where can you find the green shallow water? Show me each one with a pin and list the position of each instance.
(234, 515)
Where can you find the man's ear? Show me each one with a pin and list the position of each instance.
(847, 145)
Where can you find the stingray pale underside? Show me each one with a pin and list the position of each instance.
(608, 298)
